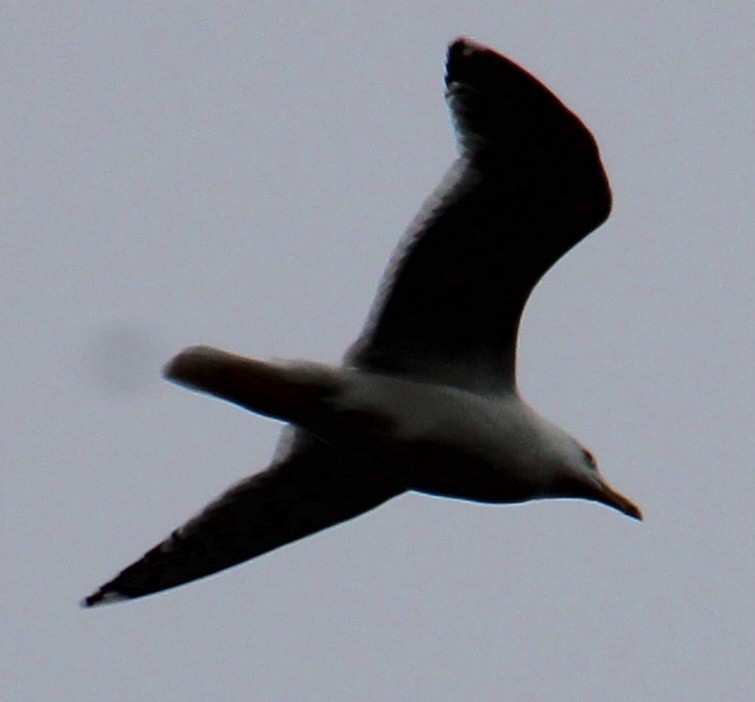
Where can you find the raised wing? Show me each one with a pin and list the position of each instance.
(527, 187)
(310, 488)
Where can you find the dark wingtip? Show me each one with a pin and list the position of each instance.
(460, 49)
(464, 46)
(101, 597)
(465, 54)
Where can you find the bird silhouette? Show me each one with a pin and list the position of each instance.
(426, 399)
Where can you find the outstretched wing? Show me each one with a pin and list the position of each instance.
(527, 187)
(310, 488)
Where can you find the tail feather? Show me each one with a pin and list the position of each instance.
(287, 392)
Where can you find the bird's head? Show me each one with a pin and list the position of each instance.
(578, 477)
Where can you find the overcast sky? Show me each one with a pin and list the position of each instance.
(238, 174)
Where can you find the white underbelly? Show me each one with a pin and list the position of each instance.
(442, 440)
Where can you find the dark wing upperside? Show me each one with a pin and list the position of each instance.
(308, 489)
(527, 187)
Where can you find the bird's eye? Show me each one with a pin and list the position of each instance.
(589, 457)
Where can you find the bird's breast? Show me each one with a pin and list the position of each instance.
(443, 440)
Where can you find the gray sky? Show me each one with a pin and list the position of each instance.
(174, 174)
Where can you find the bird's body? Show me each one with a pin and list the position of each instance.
(428, 437)
(426, 399)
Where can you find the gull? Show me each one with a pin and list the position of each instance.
(426, 399)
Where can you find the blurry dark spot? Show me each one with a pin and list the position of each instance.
(127, 359)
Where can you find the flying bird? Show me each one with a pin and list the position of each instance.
(426, 399)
